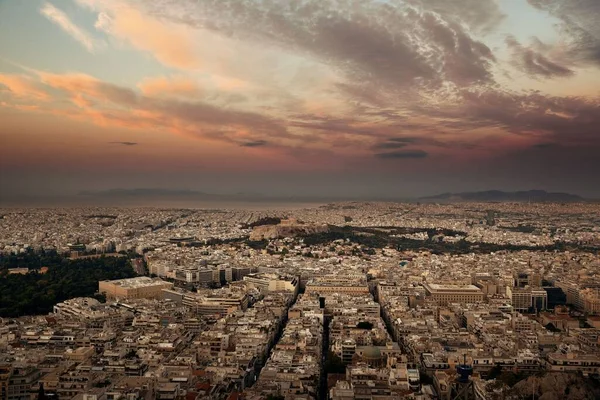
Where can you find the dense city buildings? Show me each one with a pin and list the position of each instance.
(340, 301)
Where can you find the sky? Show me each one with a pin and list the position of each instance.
(348, 98)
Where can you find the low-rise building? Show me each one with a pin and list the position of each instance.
(446, 294)
(134, 288)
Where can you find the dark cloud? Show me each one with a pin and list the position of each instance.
(572, 120)
(402, 154)
(391, 45)
(389, 145)
(126, 143)
(363, 93)
(462, 59)
(255, 143)
(403, 139)
(535, 63)
(579, 24)
(543, 145)
(117, 94)
(214, 115)
(334, 125)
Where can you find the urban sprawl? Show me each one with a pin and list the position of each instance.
(339, 301)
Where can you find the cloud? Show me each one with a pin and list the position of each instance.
(535, 63)
(173, 45)
(79, 85)
(106, 104)
(459, 57)
(200, 112)
(579, 26)
(478, 15)
(255, 143)
(572, 120)
(402, 154)
(389, 145)
(403, 139)
(389, 44)
(24, 86)
(125, 143)
(399, 78)
(61, 19)
(171, 86)
(545, 145)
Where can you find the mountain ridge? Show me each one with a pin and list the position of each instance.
(535, 196)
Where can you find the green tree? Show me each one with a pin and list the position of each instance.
(36, 293)
(364, 325)
(334, 364)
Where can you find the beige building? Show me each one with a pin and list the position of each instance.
(324, 289)
(80, 354)
(591, 301)
(219, 302)
(572, 291)
(446, 294)
(267, 282)
(351, 284)
(141, 287)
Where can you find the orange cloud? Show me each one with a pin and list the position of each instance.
(228, 83)
(173, 86)
(82, 97)
(24, 86)
(79, 85)
(171, 44)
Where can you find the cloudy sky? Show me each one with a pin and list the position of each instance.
(306, 97)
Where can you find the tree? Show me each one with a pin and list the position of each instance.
(494, 372)
(35, 293)
(101, 297)
(364, 325)
(334, 364)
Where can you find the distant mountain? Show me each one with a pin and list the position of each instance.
(536, 196)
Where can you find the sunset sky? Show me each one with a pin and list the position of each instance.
(352, 98)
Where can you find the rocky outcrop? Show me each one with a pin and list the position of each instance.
(556, 386)
(286, 229)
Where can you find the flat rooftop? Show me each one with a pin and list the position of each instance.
(136, 282)
(451, 288)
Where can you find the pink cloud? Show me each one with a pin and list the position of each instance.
(171, 44)
(170, 86)
(24, 86)
(79, 85)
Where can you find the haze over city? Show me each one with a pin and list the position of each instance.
(345, 98)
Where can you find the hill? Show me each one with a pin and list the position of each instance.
(536, 196)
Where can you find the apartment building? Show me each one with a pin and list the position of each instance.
(446, 294)
(266, 282)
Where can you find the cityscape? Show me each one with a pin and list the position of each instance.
(348, 300)
(299, 199)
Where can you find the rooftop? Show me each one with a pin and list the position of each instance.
(441, 288)
(136, 282)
